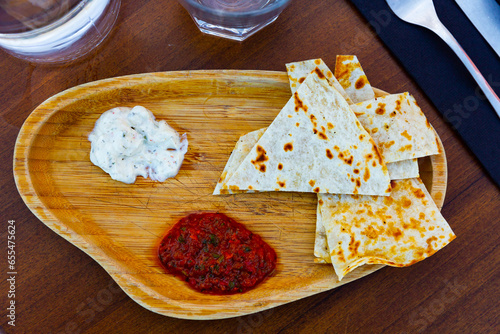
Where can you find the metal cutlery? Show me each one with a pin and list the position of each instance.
(423, 13)
(485, 16)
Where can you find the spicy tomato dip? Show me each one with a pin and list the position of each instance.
(214, 254)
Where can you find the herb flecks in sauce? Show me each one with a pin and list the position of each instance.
(216, 255)
(129, 142)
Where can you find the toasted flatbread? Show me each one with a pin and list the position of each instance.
(315, 144)
(240, 151)
(398, 230)
(400, 170)
(398, 126)
(298, 71)
(404, 169)
(352, 78)
(321, 250)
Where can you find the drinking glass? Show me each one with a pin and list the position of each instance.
(55, 31)
(233, 19)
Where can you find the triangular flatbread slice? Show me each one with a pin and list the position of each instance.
(352, 78)
(400, 170)
(240, 151)
(315, 144)
(298, 71)
(398, 230)
(398, 126)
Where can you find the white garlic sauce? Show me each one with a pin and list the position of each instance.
(127, 142)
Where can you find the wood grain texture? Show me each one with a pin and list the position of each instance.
(120, 225)
(62, 290)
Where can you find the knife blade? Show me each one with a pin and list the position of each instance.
(485, 16)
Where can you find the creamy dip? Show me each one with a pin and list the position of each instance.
(127, 142)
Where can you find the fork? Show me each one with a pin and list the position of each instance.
(423, 13)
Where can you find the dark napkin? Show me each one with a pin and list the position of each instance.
(443, 77)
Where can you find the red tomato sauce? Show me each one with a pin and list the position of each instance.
(214, 254)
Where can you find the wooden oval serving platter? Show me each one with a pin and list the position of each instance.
(120, 225)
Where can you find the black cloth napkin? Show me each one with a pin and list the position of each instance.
(443, 77)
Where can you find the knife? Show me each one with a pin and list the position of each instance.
(485, 15)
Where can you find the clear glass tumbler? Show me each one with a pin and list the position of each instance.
(233, 19)
(55, 31)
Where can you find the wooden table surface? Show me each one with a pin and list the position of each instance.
(60, 289)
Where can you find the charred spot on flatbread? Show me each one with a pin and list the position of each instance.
(313, 120)
(388, 144)
(366, 175)
(398, 104)
(342, 71)
(346, 157)
(406, 148)
(261, 154)
(380, 109)
(261, 158)
(329, 154)
(361, 82)
(319, 73)
(223, 176)
(298, 103)
(321, 134)
(406, 135)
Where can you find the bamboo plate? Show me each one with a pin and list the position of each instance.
(120, 225)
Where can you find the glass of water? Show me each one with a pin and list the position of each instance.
(55, 31)
(233, 19)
